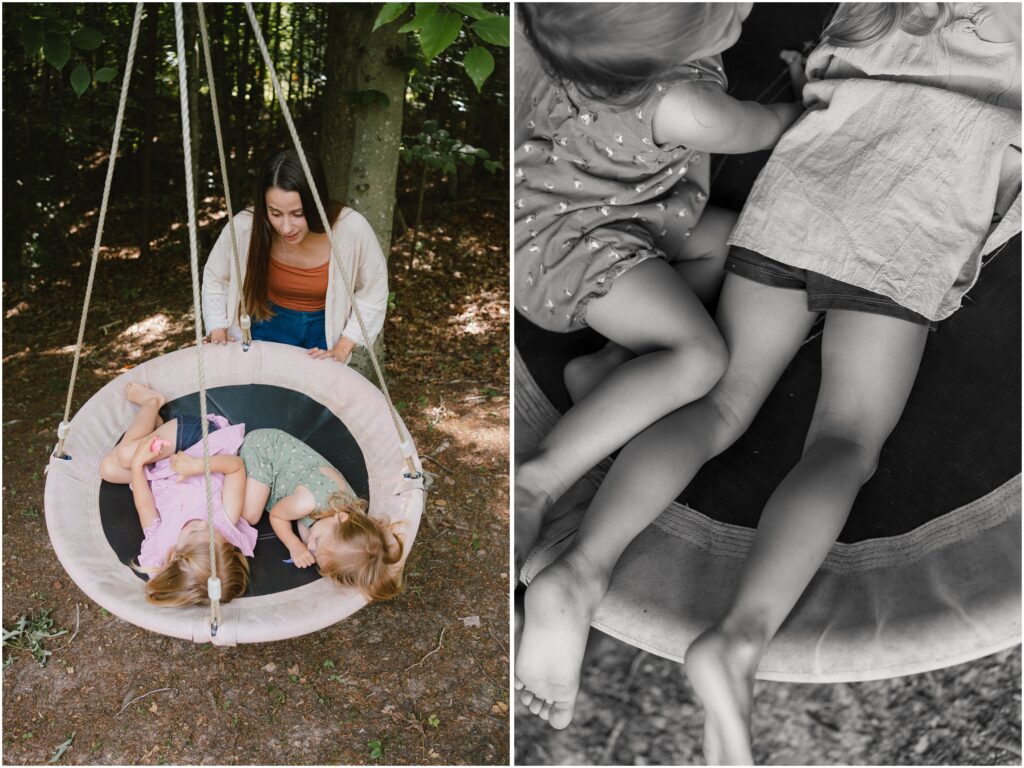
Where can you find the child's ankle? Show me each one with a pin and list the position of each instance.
(534, 469)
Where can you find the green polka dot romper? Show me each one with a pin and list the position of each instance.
(593, 196)
(284, 462)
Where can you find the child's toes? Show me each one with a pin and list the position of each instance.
(560, 715)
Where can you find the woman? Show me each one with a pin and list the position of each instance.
(292, 285)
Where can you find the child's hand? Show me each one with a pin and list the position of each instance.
(797, 74)
(301, 557)
(186, 465)
(144, 454)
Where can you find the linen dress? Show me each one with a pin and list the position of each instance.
(891, 182)
(594, 194)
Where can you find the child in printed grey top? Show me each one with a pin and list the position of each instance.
(613, 232)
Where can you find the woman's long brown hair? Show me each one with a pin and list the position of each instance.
(284, 171)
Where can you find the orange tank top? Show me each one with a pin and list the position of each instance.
(296, 288)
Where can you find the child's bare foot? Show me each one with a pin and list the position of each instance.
(560, 604)
(535, 491)
(585, 372)
(140, 394)
(721, 668)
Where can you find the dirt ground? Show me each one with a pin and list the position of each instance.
(639, 709)
(418, 680)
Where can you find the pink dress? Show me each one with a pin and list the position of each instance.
(179, 503)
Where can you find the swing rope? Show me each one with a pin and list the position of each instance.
(213, 583)
(404, 443)
(65, 425)
(243, 317)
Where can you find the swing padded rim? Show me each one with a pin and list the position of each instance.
(72, 489)
(943, 594)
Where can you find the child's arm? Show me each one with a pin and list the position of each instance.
(702, 116)
(233, 469)
(187, 466)
(282, 514)
(145, 504)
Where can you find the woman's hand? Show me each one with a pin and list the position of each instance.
(341, 352)
(218, 336)
(301, 557)
(796, 62)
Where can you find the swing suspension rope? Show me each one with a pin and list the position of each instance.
(65, 425)
(404, 442)
(243, 319)
(213, 583)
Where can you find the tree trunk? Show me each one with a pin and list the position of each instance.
(347, 28)
(368, 170)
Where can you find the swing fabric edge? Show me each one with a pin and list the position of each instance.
(77, 534)
(959, 578)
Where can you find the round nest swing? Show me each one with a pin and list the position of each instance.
(95, 531)
(93, 525)
(926, 574)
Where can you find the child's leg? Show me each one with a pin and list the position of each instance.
(764, 328)
(256, 495)
(869, 363)
(650, 311)
(699, 258)
(115, 467)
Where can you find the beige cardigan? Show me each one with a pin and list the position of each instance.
(358, 254)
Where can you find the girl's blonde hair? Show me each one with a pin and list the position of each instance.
(370, 552)
(182, 581)
(617, 53)
(857, 24)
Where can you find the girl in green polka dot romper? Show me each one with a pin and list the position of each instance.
(613, 231)
(295, 484)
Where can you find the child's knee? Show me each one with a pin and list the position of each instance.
(109, 467)
(704, 359)
(846, 446)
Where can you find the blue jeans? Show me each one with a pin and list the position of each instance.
(292, 326)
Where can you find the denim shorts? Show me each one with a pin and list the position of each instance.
(293, 326)
(190, 431)
(823, 293)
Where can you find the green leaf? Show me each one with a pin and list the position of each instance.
(479, 65)
(438, 32)
(57, 49)
(105, 75)
(493, 30)
(61, 749)
(473, 10)
(32, 35)
(424, 11)
(389, 13)
(80, 79)
(87, 38)
(376, 749)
